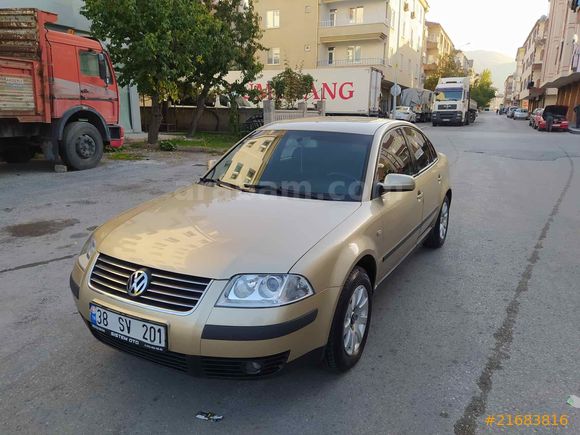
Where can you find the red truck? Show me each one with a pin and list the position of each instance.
(58, 92)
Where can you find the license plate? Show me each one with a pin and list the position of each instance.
(129, 329)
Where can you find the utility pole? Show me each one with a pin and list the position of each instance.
(397, 57)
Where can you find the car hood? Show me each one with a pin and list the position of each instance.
(214, 232)
(556, 110)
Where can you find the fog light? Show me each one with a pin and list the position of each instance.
(253, 367)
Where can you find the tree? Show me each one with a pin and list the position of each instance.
(150, 43)
(483, 91)
(446, 67)
(230, 41)
(291, 86)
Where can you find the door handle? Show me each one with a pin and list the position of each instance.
(419, 195)
(84, 91)
(439, 178)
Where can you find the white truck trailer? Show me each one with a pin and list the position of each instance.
(420, 101)
(453, 104)
(347, 91)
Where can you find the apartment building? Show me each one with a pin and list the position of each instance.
(562, 55)
(529, 88)
(509, 91)
(518, 79)
(323, 34)
(439, 45)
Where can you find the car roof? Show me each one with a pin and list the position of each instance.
(335, 124)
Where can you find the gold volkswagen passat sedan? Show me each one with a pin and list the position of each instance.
(273, 255)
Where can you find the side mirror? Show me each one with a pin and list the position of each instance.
(397, 183)
(211, 163)
(103, 70)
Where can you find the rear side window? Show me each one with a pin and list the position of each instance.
(421, 149)
(394, 157)
(89, 64)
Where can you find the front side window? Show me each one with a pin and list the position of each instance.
(305, 164)
(274, 56)
(394, 157)
(421, 148)
(89, 63)
(273, 19)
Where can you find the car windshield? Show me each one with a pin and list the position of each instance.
(304, 164)
(449, 94)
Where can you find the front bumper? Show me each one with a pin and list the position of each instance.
(221, 342)
(450, 116)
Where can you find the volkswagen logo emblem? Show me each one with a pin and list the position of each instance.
(138, 283)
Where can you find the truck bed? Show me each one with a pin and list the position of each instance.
(19, 36)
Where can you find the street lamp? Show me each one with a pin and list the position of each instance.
(396, 85)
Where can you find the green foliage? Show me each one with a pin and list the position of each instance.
(167, 145)
(230, 41)
(483, 91)
(152, 43)
(290, 86)
(446, 67)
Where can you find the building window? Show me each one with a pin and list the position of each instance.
(237, 170)
(332, 18)
(273, 19)
(356, 15)
(274, 56)
(330, 55)
(250, 176)
(353, 54)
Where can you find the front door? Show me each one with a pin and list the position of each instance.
(427, 177)
(396, 214)
(96, 88)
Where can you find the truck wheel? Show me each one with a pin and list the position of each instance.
(82, 146)
(467, 119)
(19, 153)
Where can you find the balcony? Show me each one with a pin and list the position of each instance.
(332, 31)
(371, 61)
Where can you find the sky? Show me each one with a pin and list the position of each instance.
(495, 25)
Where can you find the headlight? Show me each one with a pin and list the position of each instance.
(89, 248)
(264, 290)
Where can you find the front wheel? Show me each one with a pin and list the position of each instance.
(438, 234)
(82, 146)
(351, 322)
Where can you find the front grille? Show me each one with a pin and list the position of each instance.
(447, 106)
(236, 368)
(168, 290)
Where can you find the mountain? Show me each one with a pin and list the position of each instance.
(499, 64)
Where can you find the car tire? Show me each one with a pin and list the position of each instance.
(438, 234)
(82, 146)
(345, 343)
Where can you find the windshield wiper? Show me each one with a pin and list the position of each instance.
(226, 184)
(207, 180)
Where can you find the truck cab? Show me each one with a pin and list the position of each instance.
(453, 104)
(58, 90)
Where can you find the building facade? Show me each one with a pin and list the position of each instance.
(347, 33)
(69, 16)
(439, 45)
(562, 55)
(532, 62)
(509, 91)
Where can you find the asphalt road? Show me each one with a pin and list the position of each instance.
(489, 324)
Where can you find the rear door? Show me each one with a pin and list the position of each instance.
(97, 89)
(427, 175)
(396, 214)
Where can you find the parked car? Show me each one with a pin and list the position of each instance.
(274, 254)
(558, 114)
(533, 116)
(510, 112)
(405, 113)
(521, 114)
